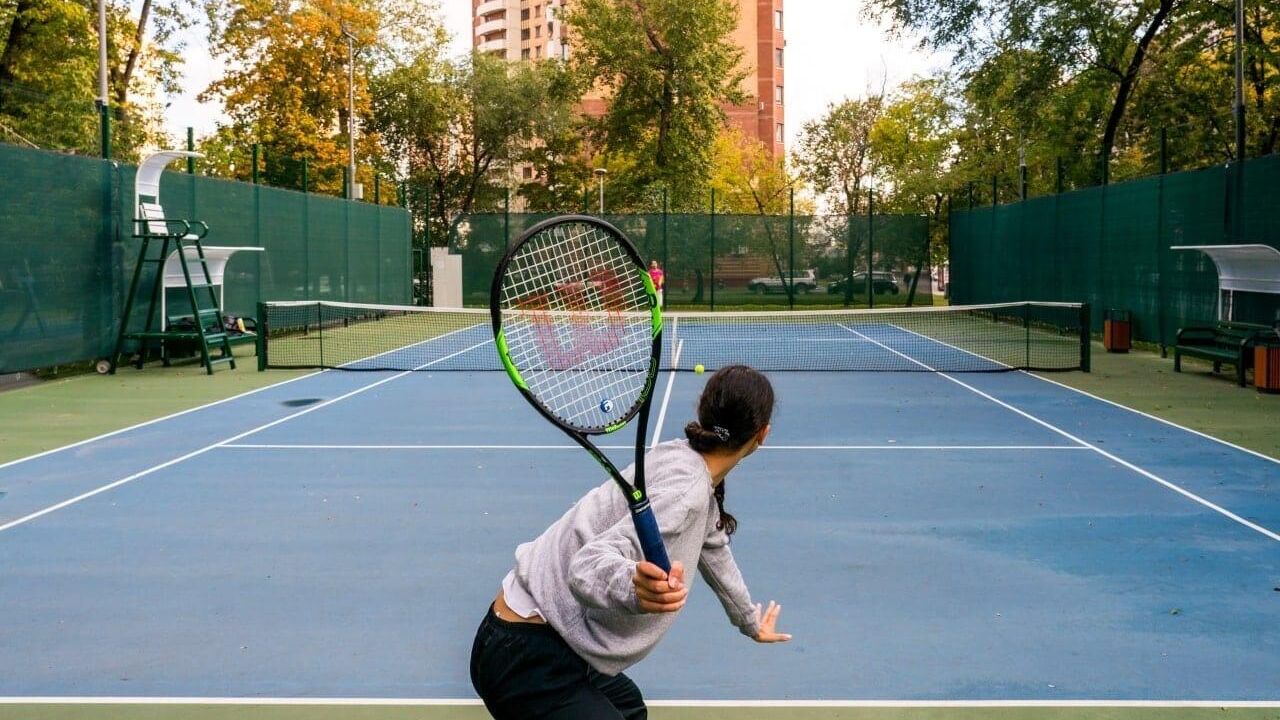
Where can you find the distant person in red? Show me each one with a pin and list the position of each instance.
(658, 277)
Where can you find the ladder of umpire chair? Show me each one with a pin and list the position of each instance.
(208, 329)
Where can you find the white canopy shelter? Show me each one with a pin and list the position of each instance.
(216, 258)
(1241, 268)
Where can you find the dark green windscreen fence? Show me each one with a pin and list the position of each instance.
(1109, 246)
(735, 261)
(66, 251)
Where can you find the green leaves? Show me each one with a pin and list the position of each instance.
(665, 67)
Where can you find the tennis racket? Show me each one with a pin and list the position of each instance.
(577, 326)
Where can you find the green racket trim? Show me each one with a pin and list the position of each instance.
(500, 339)
(652, 291)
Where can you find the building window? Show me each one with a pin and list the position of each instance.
(777, 19)
(537, 31)
(777, 94)
(524, 14)
(528, 173)
(777, 133)
(777, 57)
(524, 54)
(524, 34)
(537, 52)
(551, 28)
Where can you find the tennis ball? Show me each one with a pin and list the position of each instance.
(699, 369)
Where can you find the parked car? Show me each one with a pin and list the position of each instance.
(806, 283)
(882, 283)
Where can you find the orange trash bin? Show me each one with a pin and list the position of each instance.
(1117, 331)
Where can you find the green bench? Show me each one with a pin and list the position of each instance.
(1222, 342)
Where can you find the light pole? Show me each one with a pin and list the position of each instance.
(600, 172)
(351, 112)
(104, 120)
(1237, 215)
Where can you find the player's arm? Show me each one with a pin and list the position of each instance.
(604, 573)
(720, 570)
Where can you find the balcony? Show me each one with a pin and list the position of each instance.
(494, 45)
(489, 6)
(491, 26)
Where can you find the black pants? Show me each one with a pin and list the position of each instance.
(524, 671)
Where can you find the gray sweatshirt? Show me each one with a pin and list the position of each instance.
(579, 571)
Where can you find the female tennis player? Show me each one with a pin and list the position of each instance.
(580, 606)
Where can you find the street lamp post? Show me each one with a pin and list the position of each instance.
(600, 173)
(104, 118)
(351, 112)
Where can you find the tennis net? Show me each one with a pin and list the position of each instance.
(974, 338)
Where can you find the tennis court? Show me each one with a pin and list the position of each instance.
(934, 537)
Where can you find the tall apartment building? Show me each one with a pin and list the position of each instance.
(533, 30)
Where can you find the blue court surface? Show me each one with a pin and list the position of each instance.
(931, 536)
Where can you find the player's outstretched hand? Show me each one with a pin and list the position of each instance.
(768, 619)
(658, 592)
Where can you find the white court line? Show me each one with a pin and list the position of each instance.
(180, 413)
(84, 496)
(1145, 473)
(797, 704)
(666, 397)
(153, 421)
(285, 446)
(1148, 415)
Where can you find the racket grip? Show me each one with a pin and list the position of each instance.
(650, 537)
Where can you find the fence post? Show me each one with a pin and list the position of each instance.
(871, 247)
(1106, 167)
(306, 181)
(191, 147)
(665, 249)
(1022, 180)
(346, 183)
(995, 189)
(970, 194)
(848, 256)
(377, 189)
(104, 128)
(791, 247)
(1058, 184)
(257, 154)
(713, 249)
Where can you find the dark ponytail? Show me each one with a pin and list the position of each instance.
(736, 403)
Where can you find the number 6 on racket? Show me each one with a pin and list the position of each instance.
(577, 325)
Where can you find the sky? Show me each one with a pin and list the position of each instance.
(833, 53)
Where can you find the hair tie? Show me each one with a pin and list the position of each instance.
(721, 433)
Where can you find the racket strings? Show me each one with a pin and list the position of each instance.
(577, 321)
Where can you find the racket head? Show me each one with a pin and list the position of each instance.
(577, 324)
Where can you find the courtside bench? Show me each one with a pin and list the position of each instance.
(1222, 342)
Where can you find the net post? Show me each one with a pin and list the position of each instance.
(320, 330)
(1026, 330)
(261, 341)
(1085, 346)
(191, 147)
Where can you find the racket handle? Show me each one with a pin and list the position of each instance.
(650, 537)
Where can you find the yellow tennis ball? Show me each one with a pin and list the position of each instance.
(699, 369)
